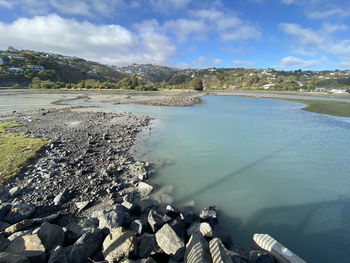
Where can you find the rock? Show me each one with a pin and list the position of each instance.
(171, 212)
(206, 230)
(137, 226)
(14, 191)
(86, 246)
(3, 225)
(133, 209)
(24, 224)
(61, 198)
(19, 212)
(210, 215)
(156, 219)
(146, 245)
(170, 242)
(194, 228)
(81, 205)
(219, 252)
(188, 216)
(258, 256)
(58, 255)
(197, 250)
(118, 245)
(51, 236)
(12, 258)
(19, 234)
(144, 189)
(4, 243)
(29, 246)
(114, 218)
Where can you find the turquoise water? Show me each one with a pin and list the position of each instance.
(268, 165)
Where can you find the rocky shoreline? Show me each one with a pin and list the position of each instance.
(86, 199)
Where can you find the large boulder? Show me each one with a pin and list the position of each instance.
(169, 241)
(197, 250)
(144, 189)
(218, 251)
(29, 246)
(51, 235)
(13, 258)
(4, 208)
(113, 218)
(19, 212)
(206, 229)
(86, 246)
(119, 245)
(3, 225)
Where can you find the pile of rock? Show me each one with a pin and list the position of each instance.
(126, 233)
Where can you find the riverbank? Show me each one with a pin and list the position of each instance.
(330, 104)
(86, 199)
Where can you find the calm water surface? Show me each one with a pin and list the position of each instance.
(268, 165)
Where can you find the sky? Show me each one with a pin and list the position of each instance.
(280, 34)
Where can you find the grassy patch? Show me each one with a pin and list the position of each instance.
(16, 151)
(336, 108)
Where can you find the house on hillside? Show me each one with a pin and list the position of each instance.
(15, 70)
(320, 90)
(36, 68)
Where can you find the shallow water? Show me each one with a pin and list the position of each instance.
(268, 165)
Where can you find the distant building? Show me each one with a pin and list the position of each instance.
(92, 73)
(320, 90)
(338, 91)
(15, 70)
(36, 68)
(1, 61)
(267, 86)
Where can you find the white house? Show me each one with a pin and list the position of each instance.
(15, 70)
(36, 68)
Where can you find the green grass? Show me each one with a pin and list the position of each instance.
(336, 108)
(17, 151)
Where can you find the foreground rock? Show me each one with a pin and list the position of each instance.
(197, 250)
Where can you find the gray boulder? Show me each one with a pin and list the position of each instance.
(218, 251)
(4, 208)
(19, 212)
(119, 244)
(29, 246)
(137, 226)
(144, 189)
(197, 250)
(51, 236)
(86, 246)
(81, 205)
(210, 214)
(113, 218)
(168, 240)
(13, 258)
(206, 229)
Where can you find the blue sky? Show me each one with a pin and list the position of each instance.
(283, 34)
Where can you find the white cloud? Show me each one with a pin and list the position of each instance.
(341, 48)
(201, 62)
(339, 12)
(345, 64)
(288, 2)
(71, 7)
(110, 44)
(228, 26)
(291, 61)
(169, 5)
(241, 63)
(6, 4)
(182, 28)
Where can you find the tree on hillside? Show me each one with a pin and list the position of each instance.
(196, 83)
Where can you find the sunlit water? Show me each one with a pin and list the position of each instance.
(269, 166)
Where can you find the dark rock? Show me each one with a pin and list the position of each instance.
(13, 258)
(62, 197)
(171, 212)
(197, 250)
(19, 212)
(137, 226)
(4, 208)
(188, 216)
(51, 236)
(133, 209)
(210, 215)
(146, 245)
(3, 225)
(86, 246)
(170, 242)
(257, 256)
(156, 219)
(58, 255)
(4, 243)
